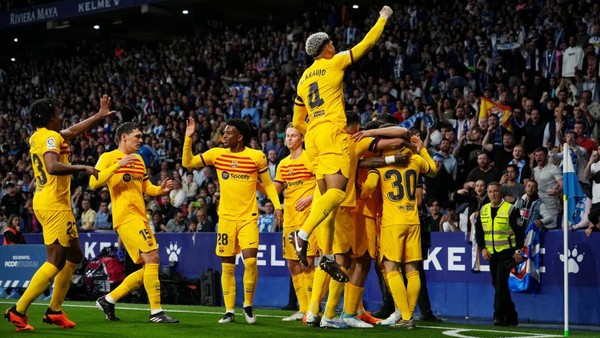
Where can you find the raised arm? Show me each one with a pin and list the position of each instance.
(373, 35)
(86, 124)
(188, 160)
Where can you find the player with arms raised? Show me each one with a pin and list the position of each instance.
(320, 101)
(239, 168)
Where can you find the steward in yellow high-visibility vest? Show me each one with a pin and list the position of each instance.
(500, 239)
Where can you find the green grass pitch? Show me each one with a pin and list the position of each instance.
(199, 321)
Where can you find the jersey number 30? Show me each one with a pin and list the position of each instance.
(408, 189)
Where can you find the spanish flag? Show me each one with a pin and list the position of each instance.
(489, 107)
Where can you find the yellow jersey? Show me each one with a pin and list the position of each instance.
(370, 207)
(298, 180)
(126, 186)
(356, 150)
(52, 192)
(398, 191)
(238, 174)
(320, 89)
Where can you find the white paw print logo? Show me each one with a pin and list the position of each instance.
(573, 259)
(173, 250)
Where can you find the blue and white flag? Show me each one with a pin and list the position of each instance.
(573, 194)
(521, 275)
(428, 120)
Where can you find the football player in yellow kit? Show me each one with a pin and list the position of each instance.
(51, 161)
(320, 101)
(125, 174)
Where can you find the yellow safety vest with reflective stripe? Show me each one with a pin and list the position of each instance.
(497, 233)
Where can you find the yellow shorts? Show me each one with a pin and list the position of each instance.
(137, 238)
(366, 233)
(327, 147)
(401, 243)
(288, 249)
(344, 233)
(235, 236)
(57, 225)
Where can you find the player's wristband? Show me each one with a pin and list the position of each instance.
(390, 159)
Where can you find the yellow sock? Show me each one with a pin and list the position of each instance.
(39, 283)
(322, 207)
(398, 291)
(228, 284)
(130, 283)
(308, 286)
(352, 296)
(413, 287)
(298, 281)
(62, 283)
(152, 285)
(319, 284)
(250, 278)
(336, 289)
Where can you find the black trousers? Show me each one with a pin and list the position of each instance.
(500, 265)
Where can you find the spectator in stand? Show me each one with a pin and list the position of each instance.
(203, 223)
(190, 187)
(550, 184)
(484, 171)
(177, 224)
(177, 195)
(532, 208)
(12, 201)
(88, 216)
(12, 233)
(510, 188)
(266, 220)
(519, 160)
(103, 220)
(166, 209)
(502, 154)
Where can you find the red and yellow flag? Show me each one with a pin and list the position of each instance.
(489, 107)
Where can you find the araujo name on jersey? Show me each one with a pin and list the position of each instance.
(226, 175)
(316, 72)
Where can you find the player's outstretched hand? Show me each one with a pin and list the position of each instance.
(105, 107)
(361, 134)
(166, 185)
(386, 12)
(190, 130)
(91, 171)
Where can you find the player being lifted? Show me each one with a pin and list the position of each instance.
(239, 168)
(125, 174)
(320, 101)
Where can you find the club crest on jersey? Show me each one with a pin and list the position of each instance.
(291, 172)
(126, 177)
(51, 143)
(234, 164)
(225, 175)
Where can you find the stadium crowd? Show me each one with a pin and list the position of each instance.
(437, 59)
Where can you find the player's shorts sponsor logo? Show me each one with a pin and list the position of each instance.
(126, 177)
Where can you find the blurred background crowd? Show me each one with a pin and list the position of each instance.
(433, 66)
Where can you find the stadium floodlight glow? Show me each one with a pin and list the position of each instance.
(96, 27)
(16, 39)
(355, 6)
(185, 12)
(13, 59)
